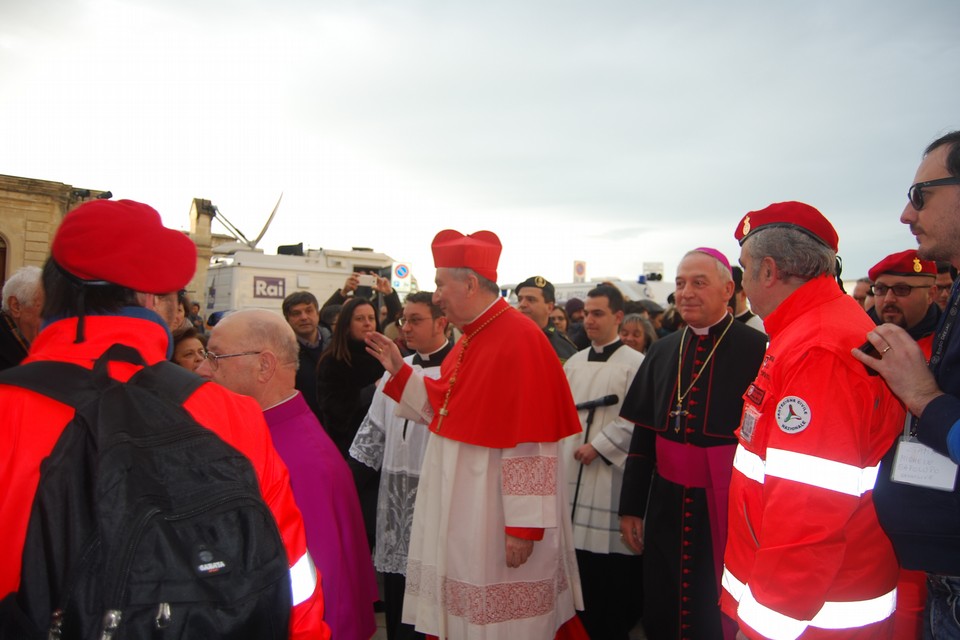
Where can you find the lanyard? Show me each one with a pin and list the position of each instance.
(946, 324)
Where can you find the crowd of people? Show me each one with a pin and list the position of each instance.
(763, 457)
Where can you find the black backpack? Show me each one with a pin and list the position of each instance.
(145, 524)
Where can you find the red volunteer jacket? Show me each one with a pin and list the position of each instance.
(806, 556)
(33, 423)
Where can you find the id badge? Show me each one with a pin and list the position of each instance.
(917, 464)
(749, 424)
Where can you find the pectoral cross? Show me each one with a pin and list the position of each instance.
(443, 414)
(676, 415)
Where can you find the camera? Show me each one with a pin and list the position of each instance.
(367, 280)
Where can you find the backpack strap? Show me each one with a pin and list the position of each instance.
(169, 380)
(75, 386)
(66, 383)
(164, 378)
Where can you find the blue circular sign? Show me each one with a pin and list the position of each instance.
(402, 271)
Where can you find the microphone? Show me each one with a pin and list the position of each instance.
(605, 401)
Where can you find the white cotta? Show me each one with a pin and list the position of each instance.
(596, 523)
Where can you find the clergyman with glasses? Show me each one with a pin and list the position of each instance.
(918, 508)
(253, 352)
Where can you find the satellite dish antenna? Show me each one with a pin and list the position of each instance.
(242, 242)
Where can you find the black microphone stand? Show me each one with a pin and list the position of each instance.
(586, 439)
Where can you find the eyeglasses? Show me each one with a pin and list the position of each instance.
(412, 320)
(915, 193)
(899, 290)
(215, 359)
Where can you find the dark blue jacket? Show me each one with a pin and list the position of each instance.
(923, 523)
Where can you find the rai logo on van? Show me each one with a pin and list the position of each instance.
(793, 414)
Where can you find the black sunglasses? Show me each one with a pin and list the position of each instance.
(915, 193)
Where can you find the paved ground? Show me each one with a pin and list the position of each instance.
(381, 634)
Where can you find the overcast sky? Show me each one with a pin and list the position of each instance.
(612, 132)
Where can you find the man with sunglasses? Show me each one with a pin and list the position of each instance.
(905, 292)
(918, 510)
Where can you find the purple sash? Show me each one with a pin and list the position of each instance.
(708, 468)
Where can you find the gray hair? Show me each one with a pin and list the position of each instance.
(797, 254)
(722, 270)
(24, 285)
(462, 273)
(645, 325)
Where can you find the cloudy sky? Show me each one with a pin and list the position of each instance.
(615, 132)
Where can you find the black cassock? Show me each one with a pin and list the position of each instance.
(680, 580)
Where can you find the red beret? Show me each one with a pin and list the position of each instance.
(905, 263)
(124, 242)
(479, 251)
(789, 214)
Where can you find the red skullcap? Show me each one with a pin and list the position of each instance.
(789, 214)
(125, 243)
(905, 263)
(479, 251)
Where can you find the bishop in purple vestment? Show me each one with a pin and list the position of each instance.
(262, 363)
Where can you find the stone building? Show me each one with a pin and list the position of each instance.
(202, 213)
(31, 211)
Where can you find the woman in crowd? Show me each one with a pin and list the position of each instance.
(637, 332)
(188, 348)
(346, 379)
(343, 372)
(180, 319)
(559, 317)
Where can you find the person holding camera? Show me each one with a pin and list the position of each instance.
(369, 286)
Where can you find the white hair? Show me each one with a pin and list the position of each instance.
(723, 271)
(462, 273)
(24, 285)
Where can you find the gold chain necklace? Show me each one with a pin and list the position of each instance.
(679, 411)
(463, 349)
